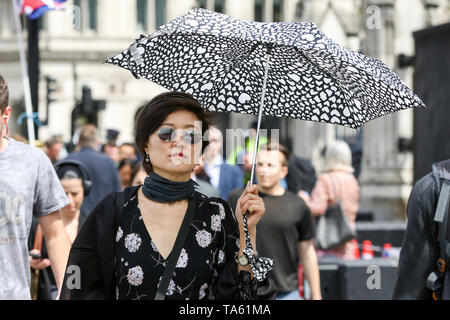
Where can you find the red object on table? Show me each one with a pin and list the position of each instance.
(301, 282)
(356, 253)
(367, 251)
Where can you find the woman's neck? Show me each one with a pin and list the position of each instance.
(175, 177)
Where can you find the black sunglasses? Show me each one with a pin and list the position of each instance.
(168, 134)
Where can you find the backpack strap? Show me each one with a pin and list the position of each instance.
(435, 279)
(441, 217)
(441, 213)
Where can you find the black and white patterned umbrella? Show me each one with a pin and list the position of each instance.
(278, 69)
(221, 61)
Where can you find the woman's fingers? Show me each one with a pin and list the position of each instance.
(39, 263)
(249, 196)
(251, 189)
(252, 206)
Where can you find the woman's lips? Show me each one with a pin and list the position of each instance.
(177, 155)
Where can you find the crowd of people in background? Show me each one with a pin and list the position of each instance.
(296, 192)
(63, 183)
(89, 170)
(294, 196)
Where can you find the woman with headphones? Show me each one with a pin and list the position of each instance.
(76, 183)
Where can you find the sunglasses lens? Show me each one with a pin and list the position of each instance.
(166, 134)
(192, 137)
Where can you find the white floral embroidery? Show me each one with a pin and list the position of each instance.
(202, 292)
(133, 242)
(171, 288)
(203, 238)
(153, 246)
(216, 224)
(119, 234)
(135, 276)
(221, 256)
(221, 209)
(183, 259)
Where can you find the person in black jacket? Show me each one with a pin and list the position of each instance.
(301, 175)
(127, 242)
(420, 249)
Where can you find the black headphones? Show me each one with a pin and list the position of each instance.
(86, 178)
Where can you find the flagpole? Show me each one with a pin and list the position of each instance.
(25, 79)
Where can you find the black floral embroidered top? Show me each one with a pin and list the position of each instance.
(212, 241)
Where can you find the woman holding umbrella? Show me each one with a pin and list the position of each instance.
(165, 239)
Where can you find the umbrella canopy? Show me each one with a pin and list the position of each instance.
(221, 60)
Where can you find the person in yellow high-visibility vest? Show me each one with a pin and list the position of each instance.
(242, 155)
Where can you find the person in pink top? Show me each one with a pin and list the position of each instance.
(337, 182)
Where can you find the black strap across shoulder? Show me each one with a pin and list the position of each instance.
(437, 280)
(174, 255)
(441, 213)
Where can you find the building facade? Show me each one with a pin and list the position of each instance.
(75, 43)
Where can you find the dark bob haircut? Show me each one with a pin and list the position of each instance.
(156, 111)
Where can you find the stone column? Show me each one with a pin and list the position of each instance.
(175, 8)
(289, 9)
(268, 10)
(210, 5)
(386, 174)
(7, 26)
(116, 18)
(240, 9)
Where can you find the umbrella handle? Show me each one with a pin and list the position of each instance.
(260, 266)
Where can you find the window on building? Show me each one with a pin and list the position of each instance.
(92, 5)
(88, 9)
(213, 5)
(277, 10)
(201, 4)
(219, 5)
(141, 15)
(259, 10)
(160, 13)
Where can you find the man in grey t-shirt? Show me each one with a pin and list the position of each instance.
(28, 185)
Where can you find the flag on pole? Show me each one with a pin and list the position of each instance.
(36, 8)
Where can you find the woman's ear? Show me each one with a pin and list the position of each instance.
(284, 171)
